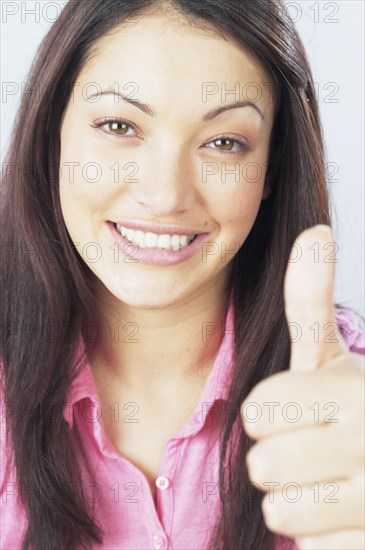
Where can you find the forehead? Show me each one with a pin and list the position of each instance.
(169, 59)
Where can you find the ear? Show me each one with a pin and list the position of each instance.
(267, 186)
(271, 174)
(267, 190)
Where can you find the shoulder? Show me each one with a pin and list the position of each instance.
(351, 326)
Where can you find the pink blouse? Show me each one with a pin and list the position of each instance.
(187, 482)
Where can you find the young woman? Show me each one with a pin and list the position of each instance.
(159, 290)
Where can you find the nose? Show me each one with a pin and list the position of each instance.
(165, 184)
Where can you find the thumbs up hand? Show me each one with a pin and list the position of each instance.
(308, 421)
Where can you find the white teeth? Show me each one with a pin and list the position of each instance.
(152, 240)
(184, 240)
(130, 234)
(139, 237)
(175, 242)
(164, 241)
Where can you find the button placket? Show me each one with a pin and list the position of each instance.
(159, 542)
(162, 483)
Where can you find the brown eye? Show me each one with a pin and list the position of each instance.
(228, 144)
(115, 127)
(118, 127)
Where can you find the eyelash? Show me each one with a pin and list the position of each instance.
(246, 147)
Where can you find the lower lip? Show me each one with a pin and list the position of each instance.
(155, 256)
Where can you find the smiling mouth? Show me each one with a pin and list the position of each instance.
(148, 239)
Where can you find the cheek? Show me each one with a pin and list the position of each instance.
(237, 206)
(83, 177)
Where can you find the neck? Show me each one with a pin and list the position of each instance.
(146, 349)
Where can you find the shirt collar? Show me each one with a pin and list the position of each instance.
(216, 387)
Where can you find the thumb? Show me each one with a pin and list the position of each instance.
(308, 297)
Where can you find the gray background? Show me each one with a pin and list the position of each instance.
(333, 35)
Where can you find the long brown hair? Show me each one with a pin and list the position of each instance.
(45, 294)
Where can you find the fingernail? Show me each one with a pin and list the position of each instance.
(325, 228)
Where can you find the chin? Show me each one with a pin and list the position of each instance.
(144, 296)
(141, 292)
(145, 302)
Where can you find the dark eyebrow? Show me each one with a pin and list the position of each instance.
(148, 110)
(235, 105)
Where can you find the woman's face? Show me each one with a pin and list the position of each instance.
(177, 165)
